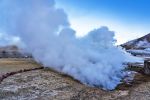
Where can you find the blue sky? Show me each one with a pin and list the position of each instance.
(128, 18)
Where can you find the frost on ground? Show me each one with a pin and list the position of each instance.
(46, 84)
(49, 85)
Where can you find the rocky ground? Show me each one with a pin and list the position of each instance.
(46, 84)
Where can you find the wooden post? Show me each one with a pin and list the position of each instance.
(147, 67)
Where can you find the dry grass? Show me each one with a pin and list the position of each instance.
(15, 64)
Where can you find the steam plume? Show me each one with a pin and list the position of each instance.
(45, 30)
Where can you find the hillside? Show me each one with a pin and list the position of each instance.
(13, 51)
(140, 43)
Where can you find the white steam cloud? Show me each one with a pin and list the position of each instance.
(45, 30)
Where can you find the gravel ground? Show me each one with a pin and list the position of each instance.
(49, 85)
(46, 84)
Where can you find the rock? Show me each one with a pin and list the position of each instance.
(147, 67)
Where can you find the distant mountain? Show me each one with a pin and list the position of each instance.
(140, 43)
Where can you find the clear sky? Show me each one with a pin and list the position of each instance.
(128, 18)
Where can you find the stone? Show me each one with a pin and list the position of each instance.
(147, 67)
